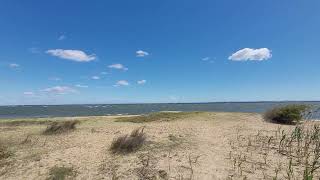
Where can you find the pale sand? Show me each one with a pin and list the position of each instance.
(170, 144)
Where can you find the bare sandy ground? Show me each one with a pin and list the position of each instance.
(193, 147)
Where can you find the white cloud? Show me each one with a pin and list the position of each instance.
(28, 93)
(81, 86)
(205, 58)
(141, 82)
(95, 77)
(59, 90)
(122, 83)
(251, 54)
(141, 53)
(73, 55)
(14, 65)
(62, 37)
(118, 66)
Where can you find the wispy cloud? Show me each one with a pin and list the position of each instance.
(141, 82)
(73, 55)
(59, 90)
(28, 93)
(122, 83)
(62, 37)
(81, 86)
(54, 79)
(14, 65)
(34, 50)
(118, 66)
(251, 54)
(141, 53)
(95, 77)
(205, 59)
(104, 73)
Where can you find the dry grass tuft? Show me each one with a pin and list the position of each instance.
(129, 143)
(61, 173)
(158, 116)
(4, 153)
(60, 127)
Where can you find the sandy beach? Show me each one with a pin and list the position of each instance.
(205, 145)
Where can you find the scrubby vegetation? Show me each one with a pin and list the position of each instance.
(158, 116)
(280, 154)
(60, 127)
(128, 143)
(289, 114)
(4, 152)
(61, 173)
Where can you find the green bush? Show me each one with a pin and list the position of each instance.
(289, 114)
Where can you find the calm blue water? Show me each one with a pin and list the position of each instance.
(27, 111)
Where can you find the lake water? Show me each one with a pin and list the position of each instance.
(28, 111)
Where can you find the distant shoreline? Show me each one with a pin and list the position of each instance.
(81, 110)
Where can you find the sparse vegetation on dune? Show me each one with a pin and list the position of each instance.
(158, 116)
(128, 143)
(280, 154)
(289, 114)
(61, 173)
(25, 122)
(4, 152)
(60, 127)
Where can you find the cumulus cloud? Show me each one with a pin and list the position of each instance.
(118, 66)
(28, 93)
(251, 54)
(122, 83)
(62, 37)
(141, 82)
(59, 90)
(73, 55)
(141, 53)
(95, 77)
(81, 86)
(14, 65)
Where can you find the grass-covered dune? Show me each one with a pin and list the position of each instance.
(164, 145)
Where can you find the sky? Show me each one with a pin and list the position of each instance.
(146, 51)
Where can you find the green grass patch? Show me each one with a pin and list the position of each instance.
(158, 116)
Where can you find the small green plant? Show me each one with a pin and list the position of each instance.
(129, 143)
(61, 173)
(60, 127)
(289, 114)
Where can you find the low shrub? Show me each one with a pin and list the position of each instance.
(289, 114)
(128, 143)
(60, 127)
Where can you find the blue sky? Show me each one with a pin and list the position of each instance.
(76, 51)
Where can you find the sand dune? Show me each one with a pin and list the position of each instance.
(193, 146)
